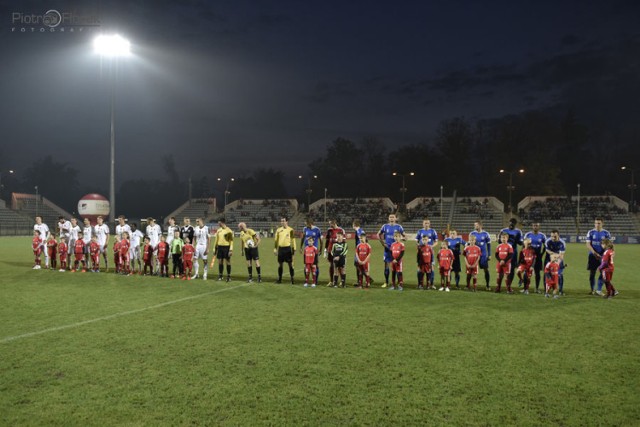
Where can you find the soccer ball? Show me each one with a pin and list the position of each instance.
(250, 243)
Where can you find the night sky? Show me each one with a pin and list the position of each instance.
(226, 87)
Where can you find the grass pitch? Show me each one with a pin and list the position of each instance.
(101, 349)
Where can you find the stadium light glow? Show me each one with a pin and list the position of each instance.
(111, 45)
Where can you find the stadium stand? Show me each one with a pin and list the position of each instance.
(12, 223)
(29, 206)
(194, 208)
(260, 215)
(460, 214)
(372, 212)
(469, 209)
(562, 213)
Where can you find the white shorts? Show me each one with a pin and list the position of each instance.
(134, 253)
(200, 252)
(103, 247)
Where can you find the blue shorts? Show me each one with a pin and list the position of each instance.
(387, 255)
(484, 262)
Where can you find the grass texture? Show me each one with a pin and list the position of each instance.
(102, 349)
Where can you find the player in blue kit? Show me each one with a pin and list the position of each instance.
(556, 246)
(538, 240)
(483, 241)
(385, 235)
(594, 245)
(432, 235)
(514, 239)
(456, 244)
(313, 232)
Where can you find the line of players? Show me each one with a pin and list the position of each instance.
(476, 254)
(88, 243)
(80, 249)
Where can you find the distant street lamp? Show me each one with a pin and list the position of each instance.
(510, 187)
(632, 187)
(10, 172)
(112, 47)
(403, 190)
(226, 190)
(308, 190)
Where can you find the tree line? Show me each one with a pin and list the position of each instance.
(556, 151)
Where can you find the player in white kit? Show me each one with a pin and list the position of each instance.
(87, 233)
(44, 235)
(201, 237)
(102, 232)
(73, 236)
(153, 233)
(63, 228)
(136, 237)
(122, 227)
(171, 229)
(64, 232)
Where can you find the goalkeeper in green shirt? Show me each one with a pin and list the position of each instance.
(176, 254)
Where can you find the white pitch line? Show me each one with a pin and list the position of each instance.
(114, 316)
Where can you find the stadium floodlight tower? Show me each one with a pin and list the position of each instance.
(403, 190)
(510, 187)
(112, 47)
(308, 190)
(632, 187)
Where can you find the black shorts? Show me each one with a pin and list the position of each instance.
(251, 254)
(537, 264)
(223, 252)
(285, 254)
(593, 263)
(340, 262)
(455, 267)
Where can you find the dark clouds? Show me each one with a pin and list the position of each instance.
(228, 86)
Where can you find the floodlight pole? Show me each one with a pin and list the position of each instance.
(112, 175)
(112, 47)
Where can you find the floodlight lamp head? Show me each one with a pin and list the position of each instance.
(111, 45)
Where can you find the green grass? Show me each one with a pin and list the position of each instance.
(167, 352)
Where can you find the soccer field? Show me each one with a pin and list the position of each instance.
(102, 349)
